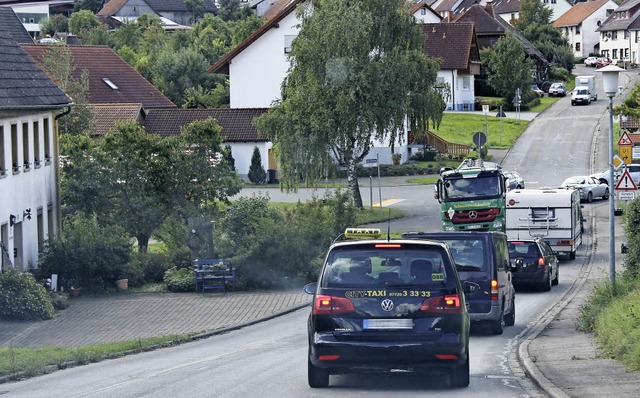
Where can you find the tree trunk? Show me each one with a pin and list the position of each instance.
(143, 243)
(352, 183)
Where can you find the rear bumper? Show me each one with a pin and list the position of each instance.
(363, 356)
(530, 277)
(492, 315)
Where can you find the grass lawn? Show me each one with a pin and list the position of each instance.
(460, 128)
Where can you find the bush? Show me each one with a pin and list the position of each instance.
(632, 230)
(148, 268)
(91, 256)
(21, 297)
(179, 279)
(559, 74)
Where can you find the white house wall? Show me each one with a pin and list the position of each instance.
(462, 96)
(31, 14)
(22, 190)
(617, 46)
(256, 74)
(242, 153)
(424, 15)
(558, 7)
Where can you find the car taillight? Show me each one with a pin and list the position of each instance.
(541, 262)
(448, 304)
(325, 305)
(494, 290)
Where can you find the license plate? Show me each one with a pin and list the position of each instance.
(387, 324)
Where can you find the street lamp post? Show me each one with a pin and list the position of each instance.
(610, 83)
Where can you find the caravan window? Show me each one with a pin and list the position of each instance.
(542, 213)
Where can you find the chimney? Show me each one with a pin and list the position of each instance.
(489, 8)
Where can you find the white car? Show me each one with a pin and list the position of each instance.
(589, 187)
(634, 172)
(590, 61)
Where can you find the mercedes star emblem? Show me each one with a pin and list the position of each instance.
(473, 214)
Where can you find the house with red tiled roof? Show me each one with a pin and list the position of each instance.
(455, 46)
(490, 28)
(238, 132)
(173, 10)
(423, 12)
(509, 10)
(579, 25)
(111, 79)
(106, 116)
(30, 104)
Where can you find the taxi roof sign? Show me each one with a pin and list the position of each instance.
(362, 233)
(626, 183)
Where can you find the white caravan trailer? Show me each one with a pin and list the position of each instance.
(554, 214)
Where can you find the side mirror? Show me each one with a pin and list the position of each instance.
(470, 287)
(310, 288)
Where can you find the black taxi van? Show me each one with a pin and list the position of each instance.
(384, 305)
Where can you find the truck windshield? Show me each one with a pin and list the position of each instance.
(472, 188)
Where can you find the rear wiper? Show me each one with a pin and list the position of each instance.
(462, 267)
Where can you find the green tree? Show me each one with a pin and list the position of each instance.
(137, 180)
(358, 70)
(257, 175)
(81, 22)
(195, 7)
(58, 63)
(230, 10)
(507, 67)
(91, 5)
(175, 72)
(534, 23)
(54, 24)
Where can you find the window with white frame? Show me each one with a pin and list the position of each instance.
(14, 149)
(614, 35)
(466, 83)
(25, 146)
(36, 144)
(47, 140)
(3, 164)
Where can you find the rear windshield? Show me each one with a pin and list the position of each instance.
(469, 254)
(383, 267)
(523, 249)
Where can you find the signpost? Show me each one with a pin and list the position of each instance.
(626, 187)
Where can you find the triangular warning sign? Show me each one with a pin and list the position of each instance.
(626, 183)
(625, 140)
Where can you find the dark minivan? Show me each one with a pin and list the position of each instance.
(383, 305)
(483, 258)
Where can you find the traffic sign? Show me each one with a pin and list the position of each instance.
(617, 161)
(625, 140)
(626, 195)
(479, 139)
(625, 183)
(625, 153)
(372, 160)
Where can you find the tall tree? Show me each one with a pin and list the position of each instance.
(196, 8)
(357, 71)
(507, 67)
(139, 180)
(257, 175)
(534, 23)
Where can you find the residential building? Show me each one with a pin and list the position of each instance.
(238, 132)
(491, 27)
(423, 13)
(111, 79)
(579, 25)
(32, 12)
(456, 48)
(30, 104)
(509, 10)
(173, 10)
(619, 34)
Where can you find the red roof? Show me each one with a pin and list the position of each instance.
(105, 116)
(454, 43)
(128, 86)
(237, 123)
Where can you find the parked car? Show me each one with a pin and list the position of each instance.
(601, 62)
(589, 187)
(557, 90)
(537, 90)
(590, 61)
(634, 172)
(382, 305)
(533, 262)
(514, 180)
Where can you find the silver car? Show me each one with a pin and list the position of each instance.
(588, 186)
(634, 172)
(557, 90)
(514, 181)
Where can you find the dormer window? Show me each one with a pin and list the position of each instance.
(109, 83)
(288, 39)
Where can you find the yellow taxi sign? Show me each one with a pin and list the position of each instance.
(362, 233)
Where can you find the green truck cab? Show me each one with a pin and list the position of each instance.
(472, 196)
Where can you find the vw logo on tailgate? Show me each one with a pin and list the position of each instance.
(387, 305)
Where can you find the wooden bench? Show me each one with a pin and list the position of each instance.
(213, 274)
